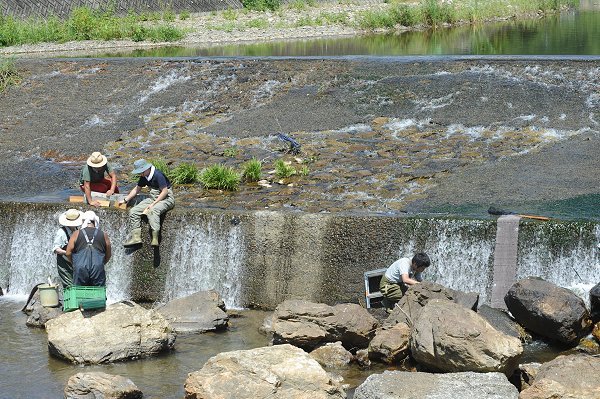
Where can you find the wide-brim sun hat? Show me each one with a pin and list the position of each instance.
(141, 165)
(70, 218)
(96, 160)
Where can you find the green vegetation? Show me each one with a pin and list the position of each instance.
(252, 170)
(304, 171)
(434, 13)
(161, 165)
(8, 74)
(231, 152)
(262, 5)
(184, 15)
(185, 173)
(220, 177)
(283, 169)
(86, 24)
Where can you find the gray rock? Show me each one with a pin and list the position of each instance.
(123, 331)
(418, 295)
(362, 358)
(308, 325)
(97, 385)
(500, 320)
(332, 355)
(274, 372)
(200, 312)
(548, 310)
(390, 344)
(449, 337)
(38, 315)
(407, 385)
(525, 375)
(573, 376)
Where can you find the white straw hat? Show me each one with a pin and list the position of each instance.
(96, 160)
(70, 218)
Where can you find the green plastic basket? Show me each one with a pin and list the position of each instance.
(85, 297)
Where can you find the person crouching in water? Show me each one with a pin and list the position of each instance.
(69, 222)
(161, 200)
(89, 248)
(400, 275)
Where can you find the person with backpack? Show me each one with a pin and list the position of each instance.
(89, 249)
(400, 275)
(69, 223)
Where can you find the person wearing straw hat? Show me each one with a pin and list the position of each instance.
(161, 200)
(89, 249)
(93, 178)
(69, 222)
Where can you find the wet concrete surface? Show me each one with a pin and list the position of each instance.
(388, 135)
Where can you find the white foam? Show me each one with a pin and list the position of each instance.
(163, 83)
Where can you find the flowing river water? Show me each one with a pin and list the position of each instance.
(565, 253)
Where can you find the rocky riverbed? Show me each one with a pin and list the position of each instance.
(377, 134)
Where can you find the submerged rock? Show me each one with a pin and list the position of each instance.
(548, 310)
(449, 337)
(307, 325)
(408, 385)
(572, 376)
(199, 312)
(123, 331)
(274, 372)
(97, 385)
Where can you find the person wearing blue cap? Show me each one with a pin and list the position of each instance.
(161, 200)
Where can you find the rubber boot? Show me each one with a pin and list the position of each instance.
(136, 238)
(154, 242)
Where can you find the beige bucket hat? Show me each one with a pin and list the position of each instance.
(96, 160)
(70, 218)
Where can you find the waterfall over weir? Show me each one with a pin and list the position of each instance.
(262, 258)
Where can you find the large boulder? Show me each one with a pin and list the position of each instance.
(308, 325)
(566, 377)
(123, 331)
(98, 385)
(273, 372)
(548, 310)
(418, 295)
(501, 321)
(196, 313)
(390, 344)
(407, 385)
(449, 337)
(595, 303)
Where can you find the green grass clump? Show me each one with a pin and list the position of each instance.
(283, 170)
(435, 13)
(252, 170)
(85, 23)
(395, 15)
(231, 152)
(260, 23)
(304, 171)
(161, 165)
(184, 15)
(220, 177)
(8, 74)
(185, 173)
(262, 5)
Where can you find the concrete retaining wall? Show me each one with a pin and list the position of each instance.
(62, 8)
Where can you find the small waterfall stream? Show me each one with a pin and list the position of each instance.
(258, 258)
(209, 254)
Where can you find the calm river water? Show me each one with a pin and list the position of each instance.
(573, 33)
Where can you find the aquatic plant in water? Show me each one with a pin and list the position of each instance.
(252, 170)
(220, 177)
(283, 169)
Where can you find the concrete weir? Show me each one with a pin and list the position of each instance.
(262, 258)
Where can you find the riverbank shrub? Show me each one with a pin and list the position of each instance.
(85, 23)
(262, 5)
(220, 177)
(8, 74)
(185, 173)
(252, 170)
